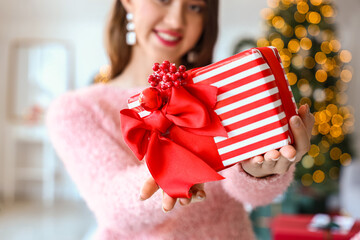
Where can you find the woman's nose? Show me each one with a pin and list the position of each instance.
(175, 17)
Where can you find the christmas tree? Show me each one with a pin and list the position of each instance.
(318, 72)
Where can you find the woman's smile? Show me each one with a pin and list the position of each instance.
(167, 37)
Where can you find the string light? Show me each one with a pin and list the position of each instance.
(300, 18)
(320, 57)
(307, 161)
(316, 2)
(305, 43)
(104, 75)
(294, 45)
(345, 159)
(278, 22)
(313, 29)
(278, 43)
(345, 56)
(318, 176)
(327, 11)
(309, 62)
(292, 78)
(303, 7)
(307, 180)
(262, 42)
(300, 31)
(335, 153)
(321, 75)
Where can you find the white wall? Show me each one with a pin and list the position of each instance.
(81, 23)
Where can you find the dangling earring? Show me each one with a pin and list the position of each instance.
(191, 56)
(130, 27)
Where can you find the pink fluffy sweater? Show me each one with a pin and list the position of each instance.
(84, 127)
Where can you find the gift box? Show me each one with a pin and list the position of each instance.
(298, 227)
(253, 102)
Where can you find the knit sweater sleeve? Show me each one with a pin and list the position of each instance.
(255, 191)
(100, 165)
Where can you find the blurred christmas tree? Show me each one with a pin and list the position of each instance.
(305, 35)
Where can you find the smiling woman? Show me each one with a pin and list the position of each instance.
(199, 21)
(85, 129)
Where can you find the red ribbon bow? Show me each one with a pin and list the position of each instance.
(177, 140)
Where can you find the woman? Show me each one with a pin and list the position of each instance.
(85, 129)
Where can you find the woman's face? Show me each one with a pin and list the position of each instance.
(168, 29)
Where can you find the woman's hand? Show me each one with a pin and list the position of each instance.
(168, 203)
(273, 162)
(279, 162)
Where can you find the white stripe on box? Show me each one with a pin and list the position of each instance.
(245, 87)
(246, 101)
(144, 114)
(240, 76)
(255, 152)
(251, 113)
(226, 67)
(250, 127)
(134, 104)
(255, 139)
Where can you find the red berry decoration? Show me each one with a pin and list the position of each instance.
(173, 68)
(156, 67)
(150, 99)
(165, 76)
(182, 68)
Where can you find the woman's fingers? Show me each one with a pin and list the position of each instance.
(148, 189)
(307, 118)
(198, 195)
(302, 141)
(168, 202)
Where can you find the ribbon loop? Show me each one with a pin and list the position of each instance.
(176, 166)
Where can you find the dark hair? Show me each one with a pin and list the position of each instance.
(119, 52)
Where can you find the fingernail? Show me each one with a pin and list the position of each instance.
(295, 121)
(200, 195)
(276, 159)
(141, 198)
(292, 159)
(164, 210)
(261, 162)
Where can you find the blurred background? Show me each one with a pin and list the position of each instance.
(50, 47)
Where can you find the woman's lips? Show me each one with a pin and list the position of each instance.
(168, 38)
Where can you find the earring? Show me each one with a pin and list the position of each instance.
(191, 56)
(130, 27)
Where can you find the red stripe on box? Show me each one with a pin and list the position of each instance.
(254, 146)
(133, 98)
(249, 106)
(233, 71)
(253, 119)
(199, 71)
(243, 81)
(246, 94)
(138, 109)
(252, 133)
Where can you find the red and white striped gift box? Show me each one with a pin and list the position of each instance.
(249, 104)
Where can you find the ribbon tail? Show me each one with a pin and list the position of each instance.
(175, 169)
(135, 132)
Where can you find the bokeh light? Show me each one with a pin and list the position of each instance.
(318, 176)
